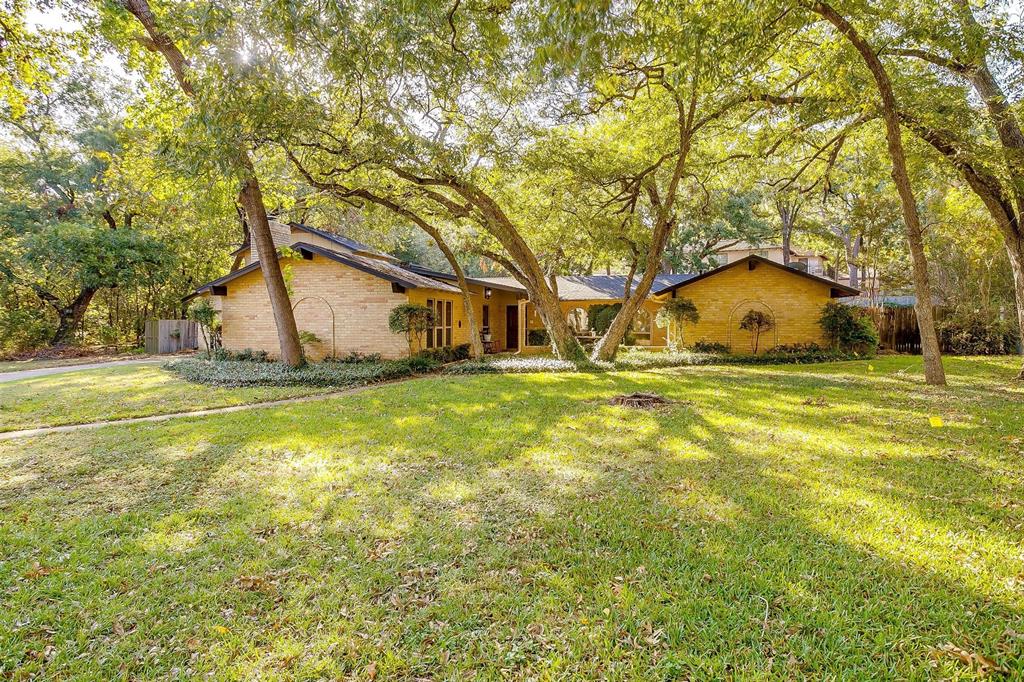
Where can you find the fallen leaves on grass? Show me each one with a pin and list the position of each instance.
(37, 570)
(984, 664)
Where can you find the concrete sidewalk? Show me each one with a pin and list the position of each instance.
(63, 369)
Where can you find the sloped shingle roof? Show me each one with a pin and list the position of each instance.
(592, 287)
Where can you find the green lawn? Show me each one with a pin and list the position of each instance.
(117, 393)
(775, 523)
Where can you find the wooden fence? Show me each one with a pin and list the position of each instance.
(171, 336)
(897, 328)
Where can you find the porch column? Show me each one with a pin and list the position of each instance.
(523, 312)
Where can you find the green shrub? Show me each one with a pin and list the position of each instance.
(973, 334)
(756, 322)
(206, 316)
(23, 329)
(675, 313)
(712, 347)
(446, 354)
(412, 320)
(601, 316)
(538, 337)
(307, 338)
(849, 329)
(355, 357)
(247, 355)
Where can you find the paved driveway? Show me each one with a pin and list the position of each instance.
(47, 371)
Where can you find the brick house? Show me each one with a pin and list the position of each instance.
(343, 291)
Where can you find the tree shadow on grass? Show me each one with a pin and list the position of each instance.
(512, 526)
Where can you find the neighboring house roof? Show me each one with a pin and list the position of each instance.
(589, 287)
(886, 301)
(838, 290)
(373, 266)
(728, 245)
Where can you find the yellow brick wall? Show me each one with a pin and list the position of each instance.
(460, 325)
(722, 299)
(361, 303)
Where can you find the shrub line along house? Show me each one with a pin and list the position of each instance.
(342, 293)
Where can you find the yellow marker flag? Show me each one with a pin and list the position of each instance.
(936, 422)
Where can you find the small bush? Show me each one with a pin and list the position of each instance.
(757, 322)
(247, 355)
(971, 334)
(797, 348)
(538, 337)
(712, 347)
(23, 330)
(203, 312)
(849, 329)
(412, 320)
(446, 354)
(355, 358)
(674, 314)
(308, 338)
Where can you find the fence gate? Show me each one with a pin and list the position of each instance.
(897, 328)
(171, 336)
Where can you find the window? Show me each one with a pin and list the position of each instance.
(430, 332)
(441, 334)
(486, 319)
(447, 323)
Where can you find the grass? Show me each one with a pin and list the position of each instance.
(774, 523)
(117, 393)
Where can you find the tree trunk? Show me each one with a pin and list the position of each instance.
(853, 258)
(263, 241)
(989, 189)
(933, 370)
(476, 344)
(788, 211)
(1016, 253)
(70, 316)
(543, 293)
(785, 244)
(250, 195)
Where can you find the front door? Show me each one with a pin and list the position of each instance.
(512, 327)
